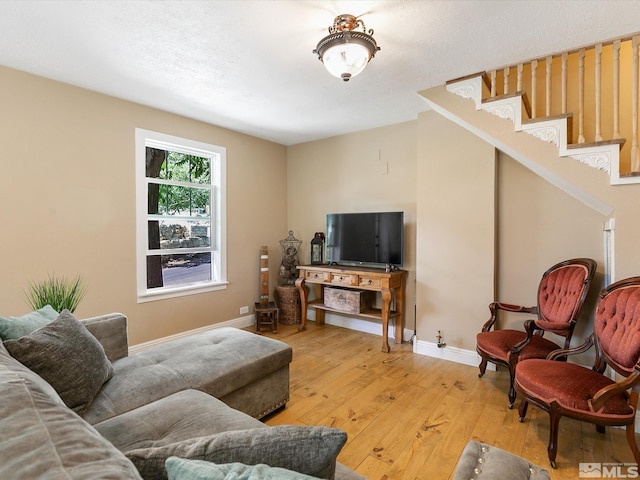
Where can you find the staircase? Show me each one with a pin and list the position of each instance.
(597, 108)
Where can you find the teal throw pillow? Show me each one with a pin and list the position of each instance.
(16, 327)
(181, 469)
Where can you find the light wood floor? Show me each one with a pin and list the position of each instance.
(409, 416)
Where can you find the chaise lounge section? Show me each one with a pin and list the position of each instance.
(245, 371)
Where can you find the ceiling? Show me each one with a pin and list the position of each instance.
(248, 65)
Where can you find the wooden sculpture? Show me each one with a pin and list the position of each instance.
(266, 311)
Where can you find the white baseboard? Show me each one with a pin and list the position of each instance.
(453, 354)
(241, 322)
(430, 349)
(360, 325)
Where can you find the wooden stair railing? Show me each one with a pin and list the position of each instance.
(559, 85)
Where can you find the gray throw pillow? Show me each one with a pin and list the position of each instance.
(16, 327)
(308, 450)
(68, 357)
(181, 469)
(485, 462)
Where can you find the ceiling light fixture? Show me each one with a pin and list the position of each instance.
(345, 52)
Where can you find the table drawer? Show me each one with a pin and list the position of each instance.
(344, 279)
(371, 282)
(317, 276)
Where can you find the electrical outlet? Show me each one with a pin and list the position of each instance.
(244, 310)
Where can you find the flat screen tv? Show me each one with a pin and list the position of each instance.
(370, 239)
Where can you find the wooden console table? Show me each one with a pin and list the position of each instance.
(391, 286)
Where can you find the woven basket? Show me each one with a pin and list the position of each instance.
(288, 300)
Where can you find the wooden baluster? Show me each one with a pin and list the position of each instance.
(493, 83)
(565, 58)
(519, 70)
(635, 153)
(581, 95)
(616, 89)
(534, 72)
(598, 72)
(548, 86)
(506, 80)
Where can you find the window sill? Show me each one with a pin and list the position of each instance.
(165, 293)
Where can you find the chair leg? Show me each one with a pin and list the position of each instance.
(631, 440)
(482, 367)
(522, 409)
(512, 390)
(554, 421)
(631, 430)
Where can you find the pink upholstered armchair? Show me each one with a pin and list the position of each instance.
(561, 294)
(570, 390)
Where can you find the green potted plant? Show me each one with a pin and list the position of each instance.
(59, 292)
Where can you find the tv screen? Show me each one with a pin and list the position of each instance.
(374, 239)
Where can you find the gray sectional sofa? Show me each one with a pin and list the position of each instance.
(197, 398)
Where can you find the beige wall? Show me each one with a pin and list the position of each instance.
(572, 205)
(67, 191)
(365, 171)
(478, 214)
(539, 226)
(456, 233)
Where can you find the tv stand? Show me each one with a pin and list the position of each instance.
(391, 285)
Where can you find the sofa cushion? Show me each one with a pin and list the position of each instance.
(181, 469)
(30, 377)
(41, 438)
(181, 416)
(217, 362)
(67, 356)
(308, 450)
(16, 327)
(111, 331)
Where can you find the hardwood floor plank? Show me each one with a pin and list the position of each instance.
(409, 416)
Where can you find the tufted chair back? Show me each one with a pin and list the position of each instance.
(617, 325)
(561, 293)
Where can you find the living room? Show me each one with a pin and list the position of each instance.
(442, 177)
(68, 191)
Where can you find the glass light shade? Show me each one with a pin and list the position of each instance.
(346, 60)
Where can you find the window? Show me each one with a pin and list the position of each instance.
(180, 216)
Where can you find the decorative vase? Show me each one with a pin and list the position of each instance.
(289, 266)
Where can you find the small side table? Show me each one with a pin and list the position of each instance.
(266, 314)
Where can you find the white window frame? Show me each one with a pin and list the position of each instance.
(218, 156)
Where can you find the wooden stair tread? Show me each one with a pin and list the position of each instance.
(619, 141)
(544, 119)
(482, 75)
(502, 97)
(466, 77)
